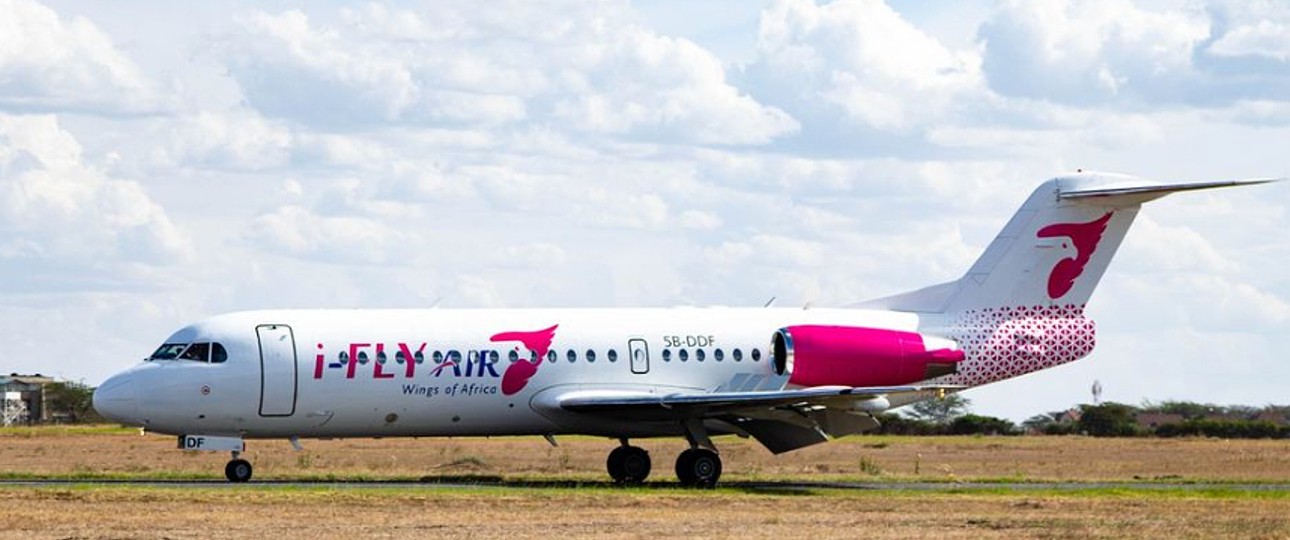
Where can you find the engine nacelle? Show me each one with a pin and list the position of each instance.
(818, 355)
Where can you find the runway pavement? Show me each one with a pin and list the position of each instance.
(763, 487)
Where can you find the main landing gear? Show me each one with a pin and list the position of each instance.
(696, 467)
(628, 465)
(238, 469)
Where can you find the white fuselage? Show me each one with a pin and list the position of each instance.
(357, 373)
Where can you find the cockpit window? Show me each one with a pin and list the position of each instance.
(198, 352)
(218, 354)
(195, 352)
(169, 351)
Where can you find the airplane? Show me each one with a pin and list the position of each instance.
(787, 377)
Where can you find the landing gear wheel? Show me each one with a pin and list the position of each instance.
(628, 465)
(238, 470)
(698, 467)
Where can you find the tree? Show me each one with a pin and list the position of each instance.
(1186, 409)
(940, 411)
(1039, 422)
(74, 399)
(971, 424)
(1109, 419)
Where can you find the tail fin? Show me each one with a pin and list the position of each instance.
(1053, 251)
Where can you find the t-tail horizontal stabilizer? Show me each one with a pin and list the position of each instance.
(1053, 251)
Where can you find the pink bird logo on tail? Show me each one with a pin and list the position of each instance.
(519, 373)
(1084, 237)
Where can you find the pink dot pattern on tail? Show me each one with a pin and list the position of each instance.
(1002, 343)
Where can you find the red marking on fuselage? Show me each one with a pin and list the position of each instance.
(1084, 237)
(518, 374)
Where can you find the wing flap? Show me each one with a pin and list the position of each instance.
(692, 405)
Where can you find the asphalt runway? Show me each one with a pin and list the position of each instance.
(756, 487)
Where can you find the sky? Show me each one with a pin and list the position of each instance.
(163, 162)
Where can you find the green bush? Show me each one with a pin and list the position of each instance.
(972, 424)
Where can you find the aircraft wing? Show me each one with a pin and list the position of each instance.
(781, 420)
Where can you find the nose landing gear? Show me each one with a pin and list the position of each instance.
(238, 469)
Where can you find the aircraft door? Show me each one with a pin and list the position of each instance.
(639, 352)
(277, 370)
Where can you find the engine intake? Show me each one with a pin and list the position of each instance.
(820, 355)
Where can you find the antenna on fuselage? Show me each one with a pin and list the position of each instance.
(770, 302)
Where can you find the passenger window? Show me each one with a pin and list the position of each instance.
(550, 357)
(683, 354)
(756, 355)
(381, 358)
(591, 356)
(362, 357)
(738, 354)
(218, 354)
(573, 356)
(454, 357)
(198, 352)
(168, 351)
(613, 356)
(400, 358)
(514, 356)
(667, 355)
(493, 356)
(343, 357)
(437, 357)
(699, 354)
(718, 355)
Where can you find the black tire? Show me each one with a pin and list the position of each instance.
(238, 470)
(628, 465)
(698, 467)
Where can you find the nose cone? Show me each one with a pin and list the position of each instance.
(115, 400)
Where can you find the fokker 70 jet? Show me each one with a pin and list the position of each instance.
(788, 378)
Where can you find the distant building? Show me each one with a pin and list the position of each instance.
(1071, 416)
(1276, 415)
(1153, 420)
(23, 399)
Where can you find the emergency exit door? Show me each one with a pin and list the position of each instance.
(277, 370)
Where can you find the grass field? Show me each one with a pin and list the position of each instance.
(414, 510)
(121, 453)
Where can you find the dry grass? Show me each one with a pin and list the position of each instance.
(323, 512)
(520, 514)
(107, 452)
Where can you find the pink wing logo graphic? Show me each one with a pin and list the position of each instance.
(1084, 237)
(519, 373)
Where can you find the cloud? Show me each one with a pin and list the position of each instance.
(861, 59)
(48, 64)
(1265, 38)
(238, 139)
(296, 231)
(58, 210)
(586, 68)
(1087, 51)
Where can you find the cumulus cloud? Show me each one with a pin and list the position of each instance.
(1265, 38)
(296, 231)
(236, 139)
(865, 59)
(584, 67)
(62, 211)
(48, 64)
(1085, 51)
